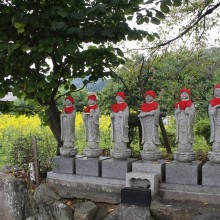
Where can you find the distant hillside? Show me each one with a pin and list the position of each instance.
(91, 87)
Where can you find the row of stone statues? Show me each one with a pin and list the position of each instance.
(149, 118)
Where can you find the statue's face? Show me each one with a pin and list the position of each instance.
(119, 99)
(184, 95)
(217, 92)
(149, 98)
(91, 102)
(68, 102)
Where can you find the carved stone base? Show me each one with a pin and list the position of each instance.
(120, 154)
(150, 155)
(184, 157)
(63, 164)
(214, 157)
(68, 151)
(92, 152)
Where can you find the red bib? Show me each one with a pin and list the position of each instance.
(183, 104)
(69, 109)
(148, 107)
(215, 101)
(117, 107)
(90, 107)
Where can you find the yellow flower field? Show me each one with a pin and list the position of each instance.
(25, 125)
(21, 125)
(13, 127)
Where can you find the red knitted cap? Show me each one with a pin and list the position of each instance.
(93, 97)
(121, 94)
(185, 90)
(216, 86)
(151, 93)
(70, 98)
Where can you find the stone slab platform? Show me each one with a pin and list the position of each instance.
(211, 174)
(184, 173)
(205, 194)
(97, 189)
(116, 169)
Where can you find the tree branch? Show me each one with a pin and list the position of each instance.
(66, 93)
(193, 23)
(200, 17)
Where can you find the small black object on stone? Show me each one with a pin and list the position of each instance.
(138, 194)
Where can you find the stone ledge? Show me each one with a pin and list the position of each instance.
(74, 178)
(189, 192)
(108, 190)
(190, 188)
(95, 188)
(95, 196)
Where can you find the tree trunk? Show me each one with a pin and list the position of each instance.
(53, 115)
(164, 135)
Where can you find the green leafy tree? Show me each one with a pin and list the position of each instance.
(186, 68)
(166, 74)
(45, 44)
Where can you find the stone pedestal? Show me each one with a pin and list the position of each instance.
(150, 167)
(112, 168)
(63, 164)
(211, 174)
(151, 178)
(184, 173)
(89, 166)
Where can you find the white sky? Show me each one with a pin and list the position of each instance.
(213, 39)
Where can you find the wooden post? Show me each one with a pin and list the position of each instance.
(36, 164)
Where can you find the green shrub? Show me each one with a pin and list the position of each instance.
(202, 128)
(21, 152)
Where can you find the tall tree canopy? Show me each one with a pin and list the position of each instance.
(166, 74)
(45, 44)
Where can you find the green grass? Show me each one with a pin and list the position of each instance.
(48, 146)
(3, 156)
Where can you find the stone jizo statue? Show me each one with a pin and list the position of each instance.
(214, 116)
(67, 118)
(91, 123)
(119, 124)
(149, 118)
(184, 114)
